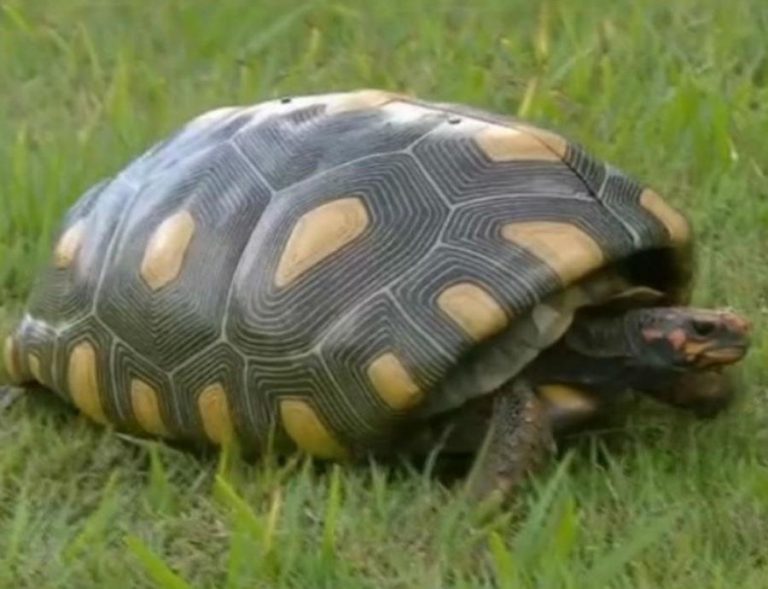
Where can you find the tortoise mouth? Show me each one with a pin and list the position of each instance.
(721, 355)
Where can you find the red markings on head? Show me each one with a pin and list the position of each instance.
(651, 334)
(678, 338)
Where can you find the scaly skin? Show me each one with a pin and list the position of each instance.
(518, 442)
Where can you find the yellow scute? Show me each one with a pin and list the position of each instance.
(146, 408)
(215, 414)
(318, 234)
(391, 380)
(69, 245)
(677, 225)
(10, 359)
(505, 144)
(567, 250)
(360, 99)
(33, 360)
(474, 309)
(83, 381)
(166, 250)
(307, 431)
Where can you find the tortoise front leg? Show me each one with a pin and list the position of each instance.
(518, 442)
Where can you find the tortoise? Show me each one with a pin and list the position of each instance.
(336, 274)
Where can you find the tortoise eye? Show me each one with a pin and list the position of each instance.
(703, 328)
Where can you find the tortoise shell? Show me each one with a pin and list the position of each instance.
(315, 271)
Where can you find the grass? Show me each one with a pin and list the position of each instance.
(676, 93)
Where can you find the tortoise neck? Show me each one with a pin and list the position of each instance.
(603, 376)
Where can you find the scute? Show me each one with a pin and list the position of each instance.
(474, 309)
(29, 353)
(146, 408)
(10, 359)
(166, 250)
(393, 383)
(65, 290)
(307, 430)
(211, 400)
(506, 144)
(215, 414)
(69, 245)
(360, 100)
(328, 266)
(83, 381)
(569, 251)
(165, 287)
(677, 225)
(267, 322)
(33, 361)
(318, 234)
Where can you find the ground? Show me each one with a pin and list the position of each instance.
(675, 93)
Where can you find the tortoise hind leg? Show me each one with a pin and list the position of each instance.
(518, 442)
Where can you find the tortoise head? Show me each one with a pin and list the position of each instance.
(686, 339)
(681, 352)
(673, 354)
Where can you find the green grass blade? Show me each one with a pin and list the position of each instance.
(611, 566)
(96, 525)
(507, 574)
(17, 18)
(241, 510)
(533, 532)
(264, 38)
(332, 510)
(155, 567)
(161, 493)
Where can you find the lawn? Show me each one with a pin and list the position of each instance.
(674, 92)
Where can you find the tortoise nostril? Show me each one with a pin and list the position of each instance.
(740, 324)
(703, 328)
